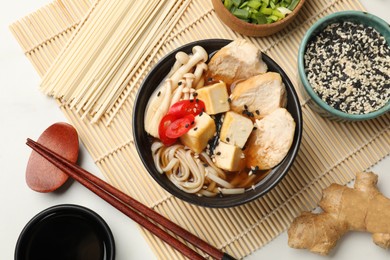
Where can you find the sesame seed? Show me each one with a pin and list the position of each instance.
(347, 64)
(159, 93)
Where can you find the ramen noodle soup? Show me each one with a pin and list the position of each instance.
(219, 126)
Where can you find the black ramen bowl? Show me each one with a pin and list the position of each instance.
(143, 144)
(66, 232)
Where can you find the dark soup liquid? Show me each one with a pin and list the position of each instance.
(65, 237)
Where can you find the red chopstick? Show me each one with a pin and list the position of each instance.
(131, 207)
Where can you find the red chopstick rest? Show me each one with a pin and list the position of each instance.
(41, 175)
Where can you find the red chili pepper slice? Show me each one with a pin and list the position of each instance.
(187, 107)
(180, 126)
(164, 123)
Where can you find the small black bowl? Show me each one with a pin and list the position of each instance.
(143, 144)
(66, 232)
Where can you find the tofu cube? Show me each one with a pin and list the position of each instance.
(236, 129)
(215, 98)
(228, 157)
(199, 135)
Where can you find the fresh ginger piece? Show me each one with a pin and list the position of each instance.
(362, 208)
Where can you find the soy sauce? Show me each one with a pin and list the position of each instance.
(65, 237)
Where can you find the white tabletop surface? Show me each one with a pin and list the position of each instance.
(27, 112)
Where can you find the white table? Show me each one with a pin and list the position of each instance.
(26, 112)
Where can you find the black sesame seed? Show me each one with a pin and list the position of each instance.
(195, 94)
(227, 139)
(191, 100)
(229, 100)
(218, 153)
(195, 128)
(245, 107)
(257, 112)
(187, 125)
(201, 113)
(179, 83)
(159, 93)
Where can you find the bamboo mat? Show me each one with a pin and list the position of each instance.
(330, 151)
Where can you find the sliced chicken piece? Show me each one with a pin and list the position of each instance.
(259, 95)
(270, 142)
(239, 59)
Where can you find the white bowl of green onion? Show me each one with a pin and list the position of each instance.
(257, 17)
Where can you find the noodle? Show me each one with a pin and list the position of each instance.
(92, 81)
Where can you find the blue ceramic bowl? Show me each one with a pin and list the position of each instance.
(315, 102)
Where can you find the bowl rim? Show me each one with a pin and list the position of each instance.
(228, 201)
(75, 210)
(363, 17)
(258, 26)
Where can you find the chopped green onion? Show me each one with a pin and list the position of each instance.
(284, 10)
(236, 3)
(259, 18)
(241, 13)
(260, 11)
(255, 4)
(266, 11)
(278, 14)
(273, 18)
(228, 4)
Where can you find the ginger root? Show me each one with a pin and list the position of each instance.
(362, 208)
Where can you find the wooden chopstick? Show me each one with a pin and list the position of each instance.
(131, 207)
